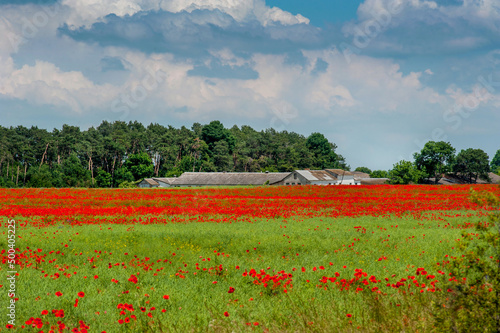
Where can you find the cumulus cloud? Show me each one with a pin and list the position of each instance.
(44, 83)
(193, 34)
(409, 27)
(181, 61)
(90, 11)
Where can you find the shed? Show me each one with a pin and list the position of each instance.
(229, 178)
(317, 177)
(165, 182)
(148, 183)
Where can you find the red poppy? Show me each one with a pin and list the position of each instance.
(231, 290)
(45, 312)
(58, 293)
(166, 296)
(133, 279)
(349, 315)
(226, 314)
(81, 294)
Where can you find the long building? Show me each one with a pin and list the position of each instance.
(229, 178)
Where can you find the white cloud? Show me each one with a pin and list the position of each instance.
(366, 85)
(87, 12)
(477, 12)
(44, 83)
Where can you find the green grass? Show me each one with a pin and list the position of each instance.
(197, 304)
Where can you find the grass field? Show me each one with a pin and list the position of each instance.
(230, 260)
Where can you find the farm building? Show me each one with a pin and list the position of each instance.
(320, 177)
(450, 179)
(165, 182)
(343, 177)
(374, 181)
(229, 178)
(148, 182)
(156, 182)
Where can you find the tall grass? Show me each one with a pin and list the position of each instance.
(164, 258)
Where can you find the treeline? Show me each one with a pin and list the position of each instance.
(437, 159)
(117, 153)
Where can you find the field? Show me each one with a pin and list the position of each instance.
(277, 259)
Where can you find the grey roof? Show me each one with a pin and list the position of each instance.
(315, 175)
(339, 172)
(229, 178)
(452, 179)
(151, 181)
(358, 175)
(166, 180)
(373, 181)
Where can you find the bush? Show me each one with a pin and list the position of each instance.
(474, 302)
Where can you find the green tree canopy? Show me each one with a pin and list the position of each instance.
(495, 162)
(379, 174)
(435, 159)
(472, 164)
(405, 172)
(324, 152)
(103, 178)
(74, 174)
(119, 149)
(215, 132)
(363, 169)
(140, 165)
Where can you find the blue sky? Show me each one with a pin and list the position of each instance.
(378, 77)
(320, 12)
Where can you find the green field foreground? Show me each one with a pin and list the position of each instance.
(315, 274)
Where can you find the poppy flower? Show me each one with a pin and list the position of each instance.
(166, 297)
(349, 315)
(58, 293)
(226, 314)
(133, 279)
(231, 290)
(81, 294)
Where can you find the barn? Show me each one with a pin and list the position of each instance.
(189, 179)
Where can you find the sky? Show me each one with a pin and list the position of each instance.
(379, 78)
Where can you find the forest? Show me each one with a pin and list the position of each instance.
(119, 153)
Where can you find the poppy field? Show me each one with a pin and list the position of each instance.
(260, 259)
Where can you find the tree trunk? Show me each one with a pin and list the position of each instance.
(91, 167)
(157, 164)
(7, 169)
(43, 156)
(17, 177)
(25, 168)
(113, 171)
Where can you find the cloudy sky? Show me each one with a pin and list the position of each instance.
(378, 77)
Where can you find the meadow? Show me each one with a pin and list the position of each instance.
(262, 259)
